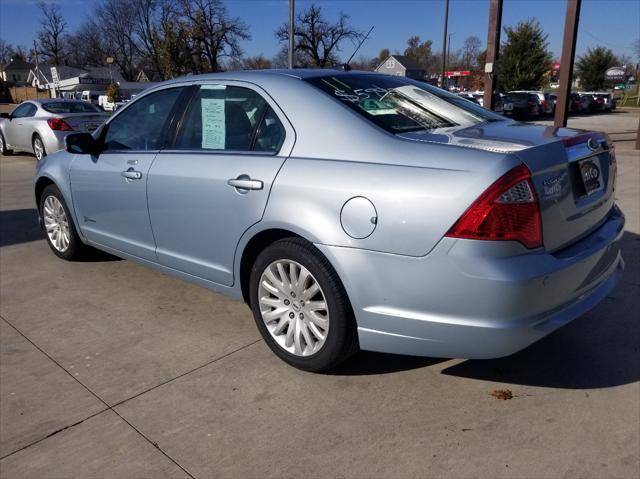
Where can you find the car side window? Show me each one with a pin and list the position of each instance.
(24, 110)
(222, 117)
(139, 126)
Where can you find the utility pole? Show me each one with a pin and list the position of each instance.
(566, 61)
(449, 57)
(444, 40)
(292, 9)
(493, 51)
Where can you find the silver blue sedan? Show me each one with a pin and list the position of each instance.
(40, 126)
(349, 210)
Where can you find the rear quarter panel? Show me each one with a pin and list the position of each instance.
(415, 206)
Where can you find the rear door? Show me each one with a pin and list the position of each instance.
(213, 183)
(110, 189)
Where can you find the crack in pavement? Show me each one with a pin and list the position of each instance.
(111, 408)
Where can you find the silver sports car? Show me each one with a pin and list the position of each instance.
(349, 210)
(40, 126)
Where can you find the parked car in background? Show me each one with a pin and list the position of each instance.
(507, 104)
(420, 223)
(588, 103)
(553, 99)
(575, 103)
(470, 97)
(545, 105)
(608, 102)
(41, 126)
(525, 105)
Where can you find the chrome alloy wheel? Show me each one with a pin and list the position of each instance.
(1, 144)
(56, 224)
(38, 148)
(293, 307)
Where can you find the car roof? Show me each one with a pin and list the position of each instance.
(44, 101)
(256, 75)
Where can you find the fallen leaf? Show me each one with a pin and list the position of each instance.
(503, 394)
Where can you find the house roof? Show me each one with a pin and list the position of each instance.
(408, 63)
(17, 64)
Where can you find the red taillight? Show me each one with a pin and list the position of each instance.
(58, 124)
(507, 211)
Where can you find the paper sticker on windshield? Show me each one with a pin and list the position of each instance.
(377, 107)
(213, 87)
(213, 124)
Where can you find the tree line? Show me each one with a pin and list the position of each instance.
(170, 38)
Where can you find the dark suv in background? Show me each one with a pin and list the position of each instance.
(525, 105)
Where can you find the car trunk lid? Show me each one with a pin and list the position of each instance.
(86, 122)
(573, 171)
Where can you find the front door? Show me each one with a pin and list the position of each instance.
(213, 184)
(17, 131)
(110, 189)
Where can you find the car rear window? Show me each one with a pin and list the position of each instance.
(399, 104)
(70, 107)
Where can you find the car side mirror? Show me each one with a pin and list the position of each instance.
(82, 144)
(5, 115)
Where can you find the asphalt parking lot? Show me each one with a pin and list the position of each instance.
(109, 369)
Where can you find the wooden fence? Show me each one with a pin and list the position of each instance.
(23, 93)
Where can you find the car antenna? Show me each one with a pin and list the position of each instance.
(345, 66)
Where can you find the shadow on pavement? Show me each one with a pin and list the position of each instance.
(19, 226)
(366, 362)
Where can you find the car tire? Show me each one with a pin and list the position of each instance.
(327, 335)
(38, 147)
(60, 231)
(3, 146)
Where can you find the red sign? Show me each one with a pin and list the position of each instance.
(463, 73)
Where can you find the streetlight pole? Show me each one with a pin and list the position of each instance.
(444, 40)
(292, 8)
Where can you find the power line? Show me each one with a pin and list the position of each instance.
(627, 47)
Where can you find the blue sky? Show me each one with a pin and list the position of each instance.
(613, 23)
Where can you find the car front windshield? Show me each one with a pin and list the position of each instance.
(70, 107)
(399, 105)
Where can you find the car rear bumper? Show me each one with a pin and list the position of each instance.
(472, 299)
(54, 140)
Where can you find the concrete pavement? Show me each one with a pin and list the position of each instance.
(109, 369)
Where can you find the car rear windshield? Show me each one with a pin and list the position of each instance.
(70, 107)
(399, 104)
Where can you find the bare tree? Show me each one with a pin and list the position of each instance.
(118, 33)
(214, 34)
(87, 45)
(317, 39)
(470, 51)
(51, 33)
(6, 52)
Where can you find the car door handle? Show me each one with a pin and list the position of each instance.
(131, 174)
(244, 182)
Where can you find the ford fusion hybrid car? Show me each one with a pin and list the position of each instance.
(349, 210)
